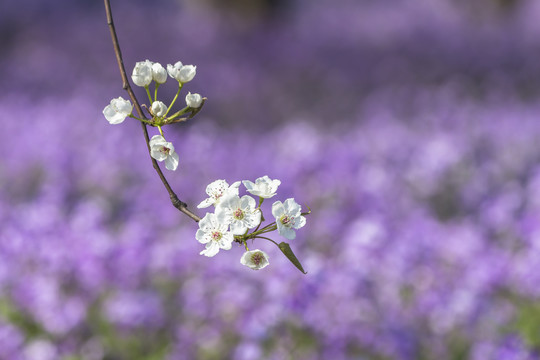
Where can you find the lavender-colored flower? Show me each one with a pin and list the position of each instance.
(40, 350)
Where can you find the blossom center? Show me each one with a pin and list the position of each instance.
(217, 194)
(238, 214)
(216, 235)
(257, 258)
(287, 220)
(165, 150)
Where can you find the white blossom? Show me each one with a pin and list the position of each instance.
(182, 73)
(159, 74)
(288, 217)
(117, 111)
(173, 70)
(217, 190)
(255, 259)
(193, 100)
(263, 187)
(142, 73)
(162, 150)
(214, 233)
(239, 212)
(187, 73)
(158, 108)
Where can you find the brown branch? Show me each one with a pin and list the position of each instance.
(177, 203)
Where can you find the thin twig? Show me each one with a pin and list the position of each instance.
(177, 203)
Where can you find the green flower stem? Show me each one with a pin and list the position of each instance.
(177, 114)
(155, 91)
(264, 230)
(175, 97)
(160, 131)
(147, 122)
(269, 227)
(261, 199)
(257, 228)
(148, 93)
(255, 234)
(306, 213)
(262, 216)
(191, 115)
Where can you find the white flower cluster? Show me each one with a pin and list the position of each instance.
(143, 74)
(234, 216)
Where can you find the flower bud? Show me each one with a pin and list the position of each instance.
(159, 74)
(173, 70)
(187, 73)
(182, 73)
(117, 111)
(142, 73)
(158, 109)
(193, 100)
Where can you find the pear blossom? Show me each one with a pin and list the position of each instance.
(142, 73)
(255, 259)
(193, 100)
(117, 111)
(182, 73)
(288, 217)
(187, 73)
(216, 191)
(159, 74)
(161, 150)
(173, 70)
(158, 108)
(214, 233)
(263, 187)
(239, 212)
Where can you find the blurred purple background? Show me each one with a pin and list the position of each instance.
(409, 127)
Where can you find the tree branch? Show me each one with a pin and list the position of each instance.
(177, 203)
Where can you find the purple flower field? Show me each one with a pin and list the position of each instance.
(411, 129)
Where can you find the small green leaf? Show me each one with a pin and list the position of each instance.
(286, 249)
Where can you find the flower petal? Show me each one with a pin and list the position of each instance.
(287, 232)
(278, 209)
(171, 162)
(300, 222)
(212, 249)
(205, 203)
